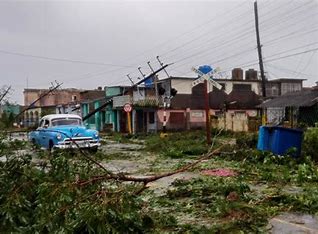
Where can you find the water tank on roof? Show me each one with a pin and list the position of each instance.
(237, 74)
(251, 74)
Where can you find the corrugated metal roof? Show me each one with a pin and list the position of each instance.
(294, 99)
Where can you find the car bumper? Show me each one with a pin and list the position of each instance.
(73, 145)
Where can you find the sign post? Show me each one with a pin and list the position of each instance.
(127, 109)
(206, 74)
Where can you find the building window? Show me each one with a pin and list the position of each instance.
(290, 87)
(176, 117)
(242, 87)
(151, 117)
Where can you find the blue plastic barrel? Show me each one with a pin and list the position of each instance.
(279, 140)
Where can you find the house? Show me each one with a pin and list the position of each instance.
(298, 108)
(10, 111)
(104, 116)
(8, 108)
(59, 96)
(145, 105)
(230, 111)
(61, 101)
(281, 86)
(234, 107)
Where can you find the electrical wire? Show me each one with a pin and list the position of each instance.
(60, 59)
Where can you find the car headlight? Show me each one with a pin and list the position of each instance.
(59, 136)
(96, 134)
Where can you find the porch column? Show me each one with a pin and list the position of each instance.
(97, 117)
(188, 119)
(133, 120)
(84, 110)
(118, 121)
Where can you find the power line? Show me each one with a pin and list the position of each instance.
(288, 70)
(253, 62)
(309, 60)
(60, 59)
(282, 52)
(215, 36)
(215, 30)
(286, 13)
(289, 36)
(192, 30)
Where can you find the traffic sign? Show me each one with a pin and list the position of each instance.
(203, 77)
(127, 107)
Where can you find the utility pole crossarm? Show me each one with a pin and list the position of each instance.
(150, 75)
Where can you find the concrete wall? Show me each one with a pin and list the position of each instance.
(235, 120)
(255, 85)
(184, 86)
(63, 96)
(112, 91)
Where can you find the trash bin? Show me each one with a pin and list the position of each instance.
(279, 140)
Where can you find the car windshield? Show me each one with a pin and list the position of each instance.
(74, 121)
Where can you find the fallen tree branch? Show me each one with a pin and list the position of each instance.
(146, 180)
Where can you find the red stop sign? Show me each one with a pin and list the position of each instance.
(127, 107)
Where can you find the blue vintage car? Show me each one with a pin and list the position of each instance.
(63, 131)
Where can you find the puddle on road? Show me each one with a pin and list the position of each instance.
(115, 146)
(125, 166)
(293, 223)
(160, 186)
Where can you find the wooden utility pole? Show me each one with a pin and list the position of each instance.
(154, 80)
(207, 113)
(5, 93)
(259, 49)
(260, 59)
(51, 89)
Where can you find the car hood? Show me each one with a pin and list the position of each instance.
(74, 131)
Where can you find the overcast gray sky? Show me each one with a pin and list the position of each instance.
(86, 44)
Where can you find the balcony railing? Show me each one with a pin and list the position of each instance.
(149, 101)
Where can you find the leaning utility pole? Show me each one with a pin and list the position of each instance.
(259, 49)
(260, 59)
(51, 89)
(154, 80)
(5, 93)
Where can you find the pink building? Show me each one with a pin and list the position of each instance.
(58, 97)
